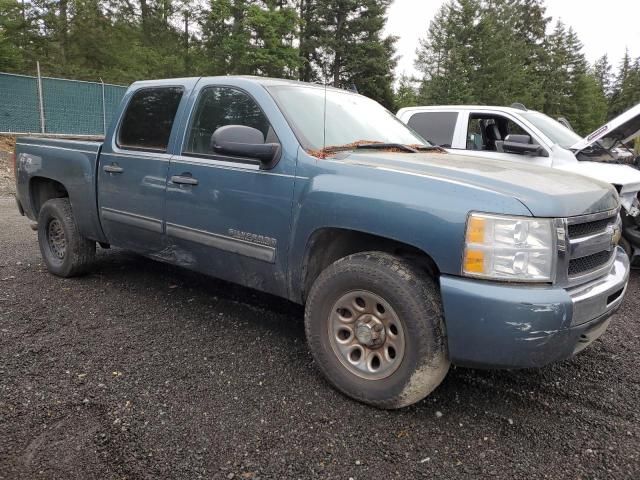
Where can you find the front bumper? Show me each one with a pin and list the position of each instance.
(492, 325)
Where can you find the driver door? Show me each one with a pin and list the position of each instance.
(486, 134)
(229, 216)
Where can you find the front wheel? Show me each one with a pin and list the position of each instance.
(375, 328)
(65, 252)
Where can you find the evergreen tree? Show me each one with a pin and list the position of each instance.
(445, 55)
(530, 22)
(602, 71)
(11, 26)
(309, 42)
(499, 74)
(498, 52)
(626, 87)
(590, 104)
(557, 85)
(273, 28)
(344, 45)
(569, 90)
(406, 94)
(474, 51)
(251, 37)
(486, 51)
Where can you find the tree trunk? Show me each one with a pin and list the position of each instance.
(337, 60)
(145, 14)
(64, 28)
(305, 71)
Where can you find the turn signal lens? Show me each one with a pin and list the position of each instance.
(474, 261)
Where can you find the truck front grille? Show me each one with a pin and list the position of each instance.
(589, 248)
(589, 228)
(581, 265)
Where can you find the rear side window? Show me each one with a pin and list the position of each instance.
(436, 127)
(147, 122)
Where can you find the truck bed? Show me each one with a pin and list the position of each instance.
(70, 163)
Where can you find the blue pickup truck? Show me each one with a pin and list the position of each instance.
(407, 258)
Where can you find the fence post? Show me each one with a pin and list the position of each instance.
(104, 111)
(42, 125)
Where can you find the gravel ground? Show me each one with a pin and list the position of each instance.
(143, 370)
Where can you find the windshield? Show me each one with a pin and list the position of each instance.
(556, 132)
(351, 118)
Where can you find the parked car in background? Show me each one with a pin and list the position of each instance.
(406, 258)
(526, 136)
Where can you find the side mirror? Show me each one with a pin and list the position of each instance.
(243, 141)
(521, 144)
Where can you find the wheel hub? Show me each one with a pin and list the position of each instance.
(370, 331)
(56, 239)
(366, 335)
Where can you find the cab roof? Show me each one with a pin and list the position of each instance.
(264, 81)
(513, 110)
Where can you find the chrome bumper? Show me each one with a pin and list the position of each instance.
(603, 295)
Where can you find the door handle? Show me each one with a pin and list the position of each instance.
(184, 180)
(112, 169)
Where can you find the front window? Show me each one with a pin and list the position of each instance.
(350, 118)
(555, 131)
(221, 106)
(489, 132)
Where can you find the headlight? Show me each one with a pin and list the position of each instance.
(517, 249)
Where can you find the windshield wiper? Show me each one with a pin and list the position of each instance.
(429, 148)
(388, 146)
(370, 144)
(415, 148)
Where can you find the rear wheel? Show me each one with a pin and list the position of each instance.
(375, 328)
(65, 252)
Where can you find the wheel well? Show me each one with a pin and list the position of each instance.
(330, 244)
(43, 189)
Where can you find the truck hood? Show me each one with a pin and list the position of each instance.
(623, 128)
(544, 191)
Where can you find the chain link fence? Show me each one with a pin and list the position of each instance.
(56, 106)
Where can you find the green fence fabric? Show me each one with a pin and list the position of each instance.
(70, 107)
(19, 110)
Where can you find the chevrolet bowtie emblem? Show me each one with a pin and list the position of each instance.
(616, 234)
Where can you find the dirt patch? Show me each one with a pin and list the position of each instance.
(7, 182)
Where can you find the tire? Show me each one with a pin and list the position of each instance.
(400, 296)
(624, 243)
(65, 252)
(630, 250)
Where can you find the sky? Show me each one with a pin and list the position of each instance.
(603, 27)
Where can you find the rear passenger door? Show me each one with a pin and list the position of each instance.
(229, 216)
(133, 169)
(438, 128)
